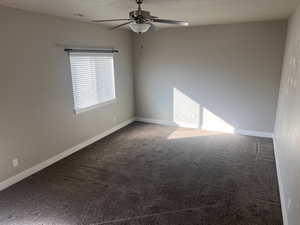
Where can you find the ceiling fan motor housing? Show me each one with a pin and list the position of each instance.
(140, 16)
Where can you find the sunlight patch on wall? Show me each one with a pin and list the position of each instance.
(186, 112)
(189, 113)
(213, 122)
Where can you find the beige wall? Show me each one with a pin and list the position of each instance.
(287, 129)
(230, 72)
(36, 116)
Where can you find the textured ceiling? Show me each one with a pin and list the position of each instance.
(197, 12)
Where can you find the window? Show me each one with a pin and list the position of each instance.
(93, 79)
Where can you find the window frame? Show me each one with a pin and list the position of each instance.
(100, 104)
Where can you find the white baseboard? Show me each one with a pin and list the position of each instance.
(281, 191)
(188, 125)
(254, 133)
(12, 180)
(155, 121)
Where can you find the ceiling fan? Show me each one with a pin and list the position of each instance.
(140, 21)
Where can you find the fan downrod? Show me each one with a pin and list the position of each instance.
(139, 2)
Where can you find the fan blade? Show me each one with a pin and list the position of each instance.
(153, 28)
(102, 21)
(121, 25)
(175, 22)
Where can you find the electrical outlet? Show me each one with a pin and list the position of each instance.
(15, 162)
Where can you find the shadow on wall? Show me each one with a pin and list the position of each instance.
(189, 113)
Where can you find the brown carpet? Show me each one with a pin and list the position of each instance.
(153, 175)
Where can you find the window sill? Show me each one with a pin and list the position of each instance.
(79, 111)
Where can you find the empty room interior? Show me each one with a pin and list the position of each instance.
(150, 112)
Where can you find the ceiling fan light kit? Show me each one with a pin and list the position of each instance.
(140, 21)
(139, 27)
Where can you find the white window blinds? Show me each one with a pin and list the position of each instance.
(92, 78)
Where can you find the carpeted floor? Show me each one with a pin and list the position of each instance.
(153, 175)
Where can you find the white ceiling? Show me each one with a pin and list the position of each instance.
(197, 12)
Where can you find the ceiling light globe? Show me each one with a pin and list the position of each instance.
(139, 27)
